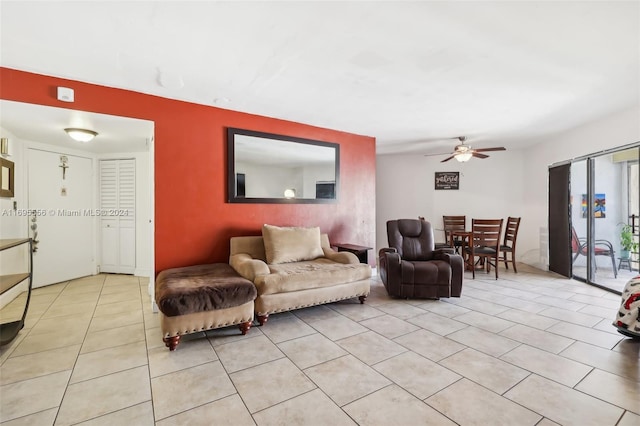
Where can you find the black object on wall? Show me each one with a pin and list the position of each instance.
(560, 220)
(240, 191)
(326, 190)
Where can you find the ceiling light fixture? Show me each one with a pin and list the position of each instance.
(463, 157)
(81, 135)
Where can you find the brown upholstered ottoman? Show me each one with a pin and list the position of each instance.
(202, 297)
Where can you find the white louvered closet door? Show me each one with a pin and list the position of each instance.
(117, 216)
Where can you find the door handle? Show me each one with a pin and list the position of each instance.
(34, 228)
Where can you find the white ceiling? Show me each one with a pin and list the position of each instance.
(46, 124)
(407, 73)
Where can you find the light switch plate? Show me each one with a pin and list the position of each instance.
(65, 94)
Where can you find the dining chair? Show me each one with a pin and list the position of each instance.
(454, 223)
(484, 244)
(579, 246)
(509, 244)
(437, 244)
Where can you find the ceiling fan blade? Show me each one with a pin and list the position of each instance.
(432, 155)
(477, 155)
(497, 148)
(447, 159)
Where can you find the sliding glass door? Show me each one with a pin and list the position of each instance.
(605, 201)
(579, 190)
(606, 217)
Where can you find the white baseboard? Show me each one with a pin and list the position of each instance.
(142, 272)
(152, 296)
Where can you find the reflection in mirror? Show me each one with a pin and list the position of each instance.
(269, 168)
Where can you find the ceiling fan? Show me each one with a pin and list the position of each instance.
(464, 152)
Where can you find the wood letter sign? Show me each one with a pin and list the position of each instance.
(447, 180)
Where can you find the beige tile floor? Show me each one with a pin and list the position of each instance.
(605, 276)
(91, 353)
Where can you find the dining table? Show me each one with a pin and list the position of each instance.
(464, 237)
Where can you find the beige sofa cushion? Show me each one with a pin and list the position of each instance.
(295, 276)
(291, 244)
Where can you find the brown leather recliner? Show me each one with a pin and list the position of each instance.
(411, 267)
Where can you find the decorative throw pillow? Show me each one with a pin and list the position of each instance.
(291, 244)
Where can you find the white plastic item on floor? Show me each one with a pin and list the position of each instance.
(628, 319)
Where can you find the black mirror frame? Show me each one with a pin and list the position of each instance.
(231, 183)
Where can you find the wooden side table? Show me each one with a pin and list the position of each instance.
(361, 252)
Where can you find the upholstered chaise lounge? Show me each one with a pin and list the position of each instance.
(202, 297)
(295, 267)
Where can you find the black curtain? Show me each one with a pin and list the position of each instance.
(560, 220)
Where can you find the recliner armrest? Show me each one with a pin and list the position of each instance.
(439, 251)
(248, 267)
(455, 260)
(450, 258)
(389, 267)
(390, 257)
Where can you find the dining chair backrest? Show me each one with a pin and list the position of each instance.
(453, 223)
(486, 232)
(508, 247)
(511, 231)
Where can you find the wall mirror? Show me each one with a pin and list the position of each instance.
(7, 175)
(270, 168)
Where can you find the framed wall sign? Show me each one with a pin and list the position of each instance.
(447, 180)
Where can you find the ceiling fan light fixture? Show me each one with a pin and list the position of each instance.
(80, 135)
(463, 157)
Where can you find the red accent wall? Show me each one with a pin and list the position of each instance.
(193, 221)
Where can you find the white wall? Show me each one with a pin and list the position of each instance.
(263, 181)
(510, 183)
(609, 132)
(489, 189)
(269, 181)
(315, 174)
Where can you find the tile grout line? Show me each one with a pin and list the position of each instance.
(372, 366)
(77, 356)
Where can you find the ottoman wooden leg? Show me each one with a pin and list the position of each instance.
(262, 319)
(171, 342)
(362, 299)
(244, 327)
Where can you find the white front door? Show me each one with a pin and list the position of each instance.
(64, 216)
